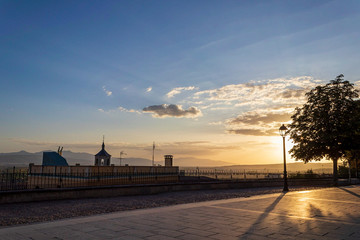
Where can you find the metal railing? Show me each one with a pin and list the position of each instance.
(22, 179)
(246, 174)
(15, 179)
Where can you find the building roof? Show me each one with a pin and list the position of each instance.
(53, 159)
(102, 152)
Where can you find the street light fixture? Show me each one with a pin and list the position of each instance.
(282, 131)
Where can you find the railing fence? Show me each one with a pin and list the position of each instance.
(21, 179)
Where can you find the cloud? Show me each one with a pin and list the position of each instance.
(30, 142)
(107, 92)
(196, 148)
(255, 94)
(172, 110)
(149, 89)
(259, 123)
(106, 111)
(254, 132)
(215, 123)
(261, 105)
(122, 109)
(178, 90)
(255, 118)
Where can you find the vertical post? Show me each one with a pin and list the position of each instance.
(285, 173)
(153, 155)
(349, 170)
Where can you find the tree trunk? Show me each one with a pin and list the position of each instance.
(349, 170)
(335, 172)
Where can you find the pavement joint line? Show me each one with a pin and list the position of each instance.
(289, 216)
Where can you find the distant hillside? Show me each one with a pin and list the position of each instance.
(23, 158)
(19, 159)
(291, 167)
(197, 162)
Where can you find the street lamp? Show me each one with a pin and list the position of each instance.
(282, 131)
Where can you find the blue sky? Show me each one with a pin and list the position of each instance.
(206, 79)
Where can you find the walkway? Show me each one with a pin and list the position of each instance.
(332, 213)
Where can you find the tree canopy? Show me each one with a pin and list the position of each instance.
(324, 127)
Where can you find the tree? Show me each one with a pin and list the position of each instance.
(353, 155)
(324, 126)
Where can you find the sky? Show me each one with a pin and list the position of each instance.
(202, 78)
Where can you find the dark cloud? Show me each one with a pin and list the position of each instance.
(254, 132)
(172, 110)
(260, 119)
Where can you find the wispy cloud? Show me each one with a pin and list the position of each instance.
(149, 89)
(215, 123)
(275, 92)
(253, 132)
(107, 92)
(261, 105)
(255, 118)
(172, 110)
(178, 90)
(122, 109)
(106, 111)
(259, 123)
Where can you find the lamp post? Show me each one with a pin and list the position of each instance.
(282, 131)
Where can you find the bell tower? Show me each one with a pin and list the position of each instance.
(102, 158)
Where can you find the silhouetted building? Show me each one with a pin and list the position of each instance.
(168, 160)
(53, 159)
(102, 158)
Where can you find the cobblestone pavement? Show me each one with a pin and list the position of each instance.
(330, 213)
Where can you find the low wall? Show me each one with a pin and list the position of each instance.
(113, 191)
(98, 170)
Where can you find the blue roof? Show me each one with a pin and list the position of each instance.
(53, 159)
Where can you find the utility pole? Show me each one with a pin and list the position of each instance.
(153, 154)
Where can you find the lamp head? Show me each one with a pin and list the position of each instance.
(282, 130)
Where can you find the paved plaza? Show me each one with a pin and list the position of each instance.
(330, 213)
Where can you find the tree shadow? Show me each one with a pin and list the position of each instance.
(348, 191)
(262, 217)
(314, 211)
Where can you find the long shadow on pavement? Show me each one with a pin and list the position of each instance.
(261, 218)
(348, 191)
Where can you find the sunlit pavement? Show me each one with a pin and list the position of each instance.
(332, 213)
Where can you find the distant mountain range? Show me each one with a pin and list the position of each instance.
(23, 159)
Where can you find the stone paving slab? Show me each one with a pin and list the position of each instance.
(331, 213)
